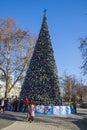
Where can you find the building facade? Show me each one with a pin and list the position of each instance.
(14, 92)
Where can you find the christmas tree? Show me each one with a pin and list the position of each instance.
(41, 80)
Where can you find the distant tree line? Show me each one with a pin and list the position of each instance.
(72, 89)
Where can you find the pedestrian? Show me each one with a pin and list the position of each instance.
(31, 112)
(21, 105)
(2, 105)
(74, 105)
(26, 103)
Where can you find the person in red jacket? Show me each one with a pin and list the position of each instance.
(26, 102)
(32, 102)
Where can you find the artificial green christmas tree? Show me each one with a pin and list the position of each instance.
(41, 81)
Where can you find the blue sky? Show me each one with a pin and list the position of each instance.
(67, 22)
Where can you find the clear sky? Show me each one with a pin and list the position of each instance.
(67, 22)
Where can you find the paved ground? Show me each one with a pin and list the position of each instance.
(14, 120)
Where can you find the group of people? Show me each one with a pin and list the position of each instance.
(21, 105)
(30, 106)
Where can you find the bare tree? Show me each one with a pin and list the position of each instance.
(73, 90)
(16, 48)
(83, 49)
(69, 84)
(81, 92)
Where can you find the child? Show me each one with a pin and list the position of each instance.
(31, 111)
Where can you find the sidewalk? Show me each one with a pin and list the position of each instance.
(26, 126)
(51, 122)
(60, 125)
(83, 113)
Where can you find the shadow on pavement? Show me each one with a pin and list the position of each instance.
(11, 117)
(66, 122)
(59, 122)
(71, 122)
(79, 122)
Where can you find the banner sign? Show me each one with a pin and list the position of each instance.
(61, 110)
(68, 110)
(72, 109)
(48, 110)
(41, 109)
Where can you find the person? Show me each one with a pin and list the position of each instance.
(32, 101)
(31, 112)
(5, 103)
(16, 104)
(2, 105)
(74, 105)
(26, 102)
(21, 105)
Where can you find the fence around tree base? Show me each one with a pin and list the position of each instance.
(42, 109)
(69, 109)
